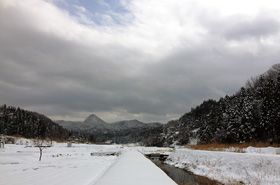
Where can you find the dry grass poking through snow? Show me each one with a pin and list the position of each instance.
(238, 148)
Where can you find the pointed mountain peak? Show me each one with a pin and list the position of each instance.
(135, 120)
(93, 119)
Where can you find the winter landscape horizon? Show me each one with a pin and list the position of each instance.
(122, 92)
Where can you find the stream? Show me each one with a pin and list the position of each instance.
(183, 177)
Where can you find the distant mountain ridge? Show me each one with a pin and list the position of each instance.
(94, 123)
(127, 131)
(133, 124)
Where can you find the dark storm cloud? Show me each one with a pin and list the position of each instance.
(52, 64)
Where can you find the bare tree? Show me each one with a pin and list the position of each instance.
(41, 144)
(2, 141)
(273, 72)
(252, 83)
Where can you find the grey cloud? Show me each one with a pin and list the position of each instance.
(240, 26)
(60, 77)
(258, 28)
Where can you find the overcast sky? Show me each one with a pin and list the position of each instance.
(150, 60)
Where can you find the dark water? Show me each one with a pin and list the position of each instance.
(182, 177)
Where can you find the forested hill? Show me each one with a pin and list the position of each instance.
(16, 121)
(251, 114)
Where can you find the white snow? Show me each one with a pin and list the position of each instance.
(60, 164)
(19, 165)
(149, 150)
(229, 167)
(133, 168)
(264, 151)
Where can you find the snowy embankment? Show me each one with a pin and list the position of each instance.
(133, 168)
(230, 167)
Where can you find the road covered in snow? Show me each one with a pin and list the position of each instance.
(19, 165)
(133, 168)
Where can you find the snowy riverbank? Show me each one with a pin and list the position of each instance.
(260, 166)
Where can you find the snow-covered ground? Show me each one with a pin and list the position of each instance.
(258, 166)
(60, 164)
(19, 165)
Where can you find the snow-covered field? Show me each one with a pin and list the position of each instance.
(257, 166)
(59, 165)
(19, 165)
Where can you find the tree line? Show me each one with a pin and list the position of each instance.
(20, 122)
